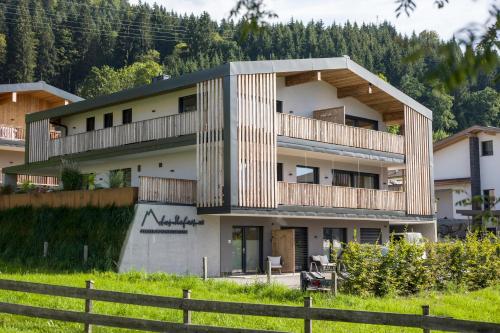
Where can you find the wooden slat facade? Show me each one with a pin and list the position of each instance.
(38, 180)
(330, 132)
(418, 184)
(167, 190)
(210, 144)
(141, 131)
(12, 133)
(39, 140)
(297, 194)
(256, 96)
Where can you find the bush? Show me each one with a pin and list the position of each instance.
(404, 268)
(6, 189)
(71, 177)
(116, 179)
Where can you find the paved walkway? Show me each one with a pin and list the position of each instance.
(291, 280)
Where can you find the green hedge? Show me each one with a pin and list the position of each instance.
(23, 231)
(403, 269)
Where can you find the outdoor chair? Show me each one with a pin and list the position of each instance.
(321, 264)
(276, 263)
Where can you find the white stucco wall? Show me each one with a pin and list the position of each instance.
(452, 161)
(11, 156)
(178, 253)
(490, 165)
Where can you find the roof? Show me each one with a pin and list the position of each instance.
(465, 134)
(334, 67)
(37, 87)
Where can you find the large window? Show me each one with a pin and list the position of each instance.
(370, 236)
(307, 175)
(90, 124)
(127, 176)
(361, 122)
(187, 103)
(127, 116)
(355, 179)
(487, 148)
(333, 239)
(108, 120)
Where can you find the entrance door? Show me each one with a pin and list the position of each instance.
(247, 249)
(301, 248)
(284, 247)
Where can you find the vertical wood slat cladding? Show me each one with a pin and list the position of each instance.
(39, 140)
(418, 175)
(257, 123)
(210, 144)
(167, 190)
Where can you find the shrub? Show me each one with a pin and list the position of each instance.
(6, 189)
(116, 179)
(71, 177)
(27, 186)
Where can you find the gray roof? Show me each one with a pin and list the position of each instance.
(39, 86)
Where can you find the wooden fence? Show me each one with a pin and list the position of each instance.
(330, 132)
(308, 313)
(297, 194)
(167, 190)
(140, 131)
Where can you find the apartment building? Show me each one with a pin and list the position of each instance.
(466, 165)
(249, 159)
(17, 100)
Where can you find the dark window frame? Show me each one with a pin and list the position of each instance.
(352, 178)
(182, 103)
(127, 116)
(488, 198)
(279, 172)
(90, 124)
(357, 120)
(108, 120)
(487, 148)
(315, 174)
(362, 230)
(279, 106)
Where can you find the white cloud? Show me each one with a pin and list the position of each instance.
(427, 16)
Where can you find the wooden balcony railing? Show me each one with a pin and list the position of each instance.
(167, 190)
(295, 194)
(36, 180)
(12, 133)
(146, 130)
(329, 132)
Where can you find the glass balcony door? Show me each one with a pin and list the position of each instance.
(247, 249)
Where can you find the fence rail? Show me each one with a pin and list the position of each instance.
(187, 305)
(330, 132)
(297, 194)
(167, 190)
(146, 130)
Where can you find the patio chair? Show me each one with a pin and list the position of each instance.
(321, 264)
(276, 262)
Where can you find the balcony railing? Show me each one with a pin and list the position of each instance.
(329, 132)
(12, 133)
(36, 180)
(295, 194)
(167, 190)
(146, 130)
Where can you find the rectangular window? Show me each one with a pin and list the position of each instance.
(108, 120)
(361, 122)
(127, 116)
(355, 179)
(487, 148)
(279, 106)
(279, 173)
(90, 124)
(370, 236)
(307, 175)
(333, 239)
(488, 199)
(187, 103)
(125, 179)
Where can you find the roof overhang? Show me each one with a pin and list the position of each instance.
(452, 181)
(39, 90)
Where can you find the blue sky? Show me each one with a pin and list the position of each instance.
(446, 21)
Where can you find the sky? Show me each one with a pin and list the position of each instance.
(446, 21)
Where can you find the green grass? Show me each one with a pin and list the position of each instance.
(483, 305)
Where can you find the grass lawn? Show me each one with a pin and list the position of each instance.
(483, 305)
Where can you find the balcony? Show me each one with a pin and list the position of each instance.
(141, 131)
(330, 132)
(297, 194)
(12, 133)
(167, 190)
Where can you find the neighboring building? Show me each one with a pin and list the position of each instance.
(17, 100)
(251, 158)
(466, 165)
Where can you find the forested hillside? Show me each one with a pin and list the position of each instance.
(60, 41)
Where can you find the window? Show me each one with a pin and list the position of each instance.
(307, 175)
(125, 178)
(187, 103)
(90, 124)
(108, 120)
(355, 179)
(333, 239)
(370, 236)
(127, 116)
(279, 173)
(279, 106)
(489, 199)
(487, 148)
(361, 122)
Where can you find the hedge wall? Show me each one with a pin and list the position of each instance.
(23, 231)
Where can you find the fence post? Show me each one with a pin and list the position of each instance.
(85, 253)
(334, 283)
(426, 311)
(89, 284)
(308, 325)
(268, 270)
(45, 249)
(186, 294)
(205, 268)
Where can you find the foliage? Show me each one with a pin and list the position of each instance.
(71, 176)
(116, 179)
(27, 186)
(486, 215)
(404, 268)
(88, 182)
(439, 135)
(23, 231)
(6, 189)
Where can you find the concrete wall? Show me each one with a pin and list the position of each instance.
(314, 232)
(171, 252)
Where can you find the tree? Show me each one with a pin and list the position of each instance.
(479, 108)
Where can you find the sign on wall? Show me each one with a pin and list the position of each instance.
(151, 224)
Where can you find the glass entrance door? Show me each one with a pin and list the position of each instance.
(247, 250)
